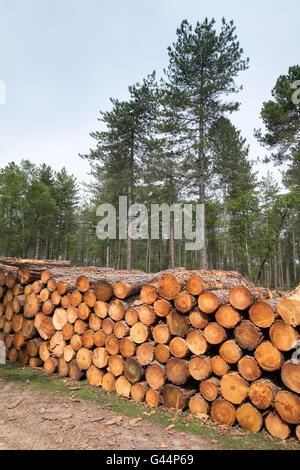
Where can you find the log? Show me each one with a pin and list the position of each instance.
(227, 316)
(108, 326)
(138, 391)
(178, 324)
(155, 376)
(297, 431)
(94, 376)
(194, 285)
(99, 339)
(230, 351)
(108, 382)
(100, 358)
(83, 283)
(75, 373)
(196, 342)
(112, 345)
(247, 335)
(283, 336)
(214, 333)
(33, 347)
(124, 289)
(218, 366)
(262, 393)
(88, 339)
(268, 357)
(133, 371)
(249, 417)
(44, 352)
(76, 342)
(69, 353)
(249, 369)
(59, 319)
(234, 388)
(262, 314)
(161, 334)
(36, 363)
(287, 405)
(121, 329)
(101, 309)
(84, 358)
(178, 347)
(127, 347)
(198, 319)
(23, 357)
(55, 298)
(57, 344)
(175, 397)
(122, 387)
(61, 288)
(162, 307)
(131, 316)
(62, 367)
(89, 298)
(83, 311)
(162, 353)
(276, 427)
(184, 302)
(51, 285)
(208, 302)
(289, 308)
(80, 327)
(116, 310)
(116, 365)
(198, 405)
(48, 308)
(19, 341)
(50, 365)
(168, 286)
(13, 355)
(210, 389)
(152, 398)
(32, 305)
(67, 331)
(223, 412)
(17, 322)
(290, 375)
(199, 367)
(240, 297)
(145, 353)
(177, 371)
(139, 333)
(72, 314)
(76, 298)
(103, 291)
(148, 294)
(147, 315)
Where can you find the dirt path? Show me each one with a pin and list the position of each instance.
(36, 419)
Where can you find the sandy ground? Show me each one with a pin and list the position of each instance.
(33, 419)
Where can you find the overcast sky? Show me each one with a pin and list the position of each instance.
(62, 60)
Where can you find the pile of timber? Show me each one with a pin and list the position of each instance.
(209, 341)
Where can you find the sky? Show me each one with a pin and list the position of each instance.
(62, 60)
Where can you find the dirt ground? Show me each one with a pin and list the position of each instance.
(33, 419)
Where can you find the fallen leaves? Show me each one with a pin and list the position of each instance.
(117, 420)
(153, 412)
(135, 420)
(170, 427)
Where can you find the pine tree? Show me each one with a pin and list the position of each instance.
(202, 67)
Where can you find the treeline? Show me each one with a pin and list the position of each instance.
(172, 142)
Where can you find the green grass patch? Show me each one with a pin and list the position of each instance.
(226, 439)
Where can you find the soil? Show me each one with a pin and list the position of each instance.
(32, 419)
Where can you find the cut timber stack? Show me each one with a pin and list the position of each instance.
(209, 341)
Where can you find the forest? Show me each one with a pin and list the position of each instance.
(173, 142)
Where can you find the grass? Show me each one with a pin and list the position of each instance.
(226, 439)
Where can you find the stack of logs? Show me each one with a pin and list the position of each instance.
(206, 340)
